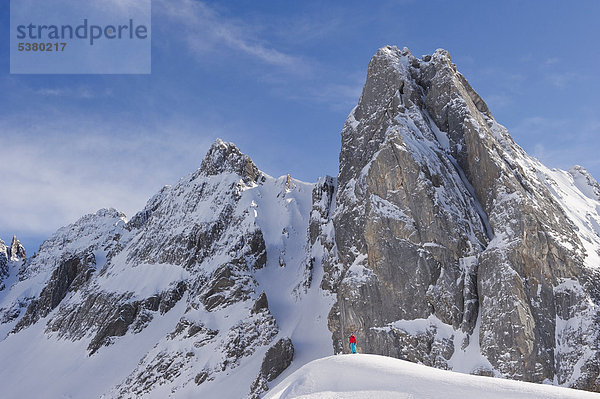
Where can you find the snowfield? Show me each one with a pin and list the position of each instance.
(452, 248)
(379, 377)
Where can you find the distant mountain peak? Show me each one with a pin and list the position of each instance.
(223, 157)
(440, 241)
(17, 250)
(4, 257)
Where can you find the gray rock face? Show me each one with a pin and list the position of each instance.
(68, 276)
(440, 242)
(129, 316)
(276, 360)
(3, 262)
(322, 234)
(227, 158)
(442, 220)
(17, 250)
(185, 266)
(10, 258)
(406, 225)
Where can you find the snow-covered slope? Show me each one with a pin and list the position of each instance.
(440, 242)
(195, 295)
(379, 377)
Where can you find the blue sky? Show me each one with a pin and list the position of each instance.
(278, 78)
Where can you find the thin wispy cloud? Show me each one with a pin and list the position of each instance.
(120, 7)
(206, 31)
(339, 96)
(335, 96)
(75, 93)
(278, 81)
(565, 158)
(310, 28)
(562, 80)
(65, 173)
(538, 125)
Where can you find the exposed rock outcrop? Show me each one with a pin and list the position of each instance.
(17, 250)
(440, 242)
(442, 219)
(71, 274)
(193, 254)
(10, 258)
(4, 257)
(276, 360)
(227, 158)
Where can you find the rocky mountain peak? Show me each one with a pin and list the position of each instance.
(397, 82)
(3, 249)
(440, 242)
(13, 253)
(442, 215)
(225, 157)
(4, 256)
(17, 251)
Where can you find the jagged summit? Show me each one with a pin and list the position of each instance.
(440, 241)
(200, 267)
(440, 217)
(13, 253)
(17, 251)
(226, 157)
(4, 258)
(11, 258)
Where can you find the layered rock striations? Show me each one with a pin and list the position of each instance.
(440, 242)
(456, 244)
(11, 257)
(189, 279)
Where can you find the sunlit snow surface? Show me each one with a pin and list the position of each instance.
(40, 364)
(378, 377)
(45, 365)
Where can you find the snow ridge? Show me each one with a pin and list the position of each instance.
(440, 242)
(377, 377)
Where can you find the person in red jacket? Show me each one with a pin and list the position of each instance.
(353, 343)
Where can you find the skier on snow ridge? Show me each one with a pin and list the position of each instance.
(353, 343)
